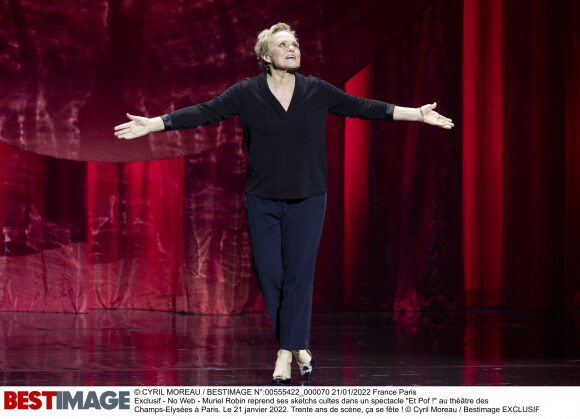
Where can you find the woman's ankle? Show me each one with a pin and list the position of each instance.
(283, 361)
(284, 354)
(303, 356)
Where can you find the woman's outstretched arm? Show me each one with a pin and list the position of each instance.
(425, 113)
(138, 126)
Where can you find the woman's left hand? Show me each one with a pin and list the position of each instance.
(433, 118)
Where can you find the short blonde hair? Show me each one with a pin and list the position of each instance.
(261, 47)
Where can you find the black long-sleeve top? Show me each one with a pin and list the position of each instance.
(286, 149)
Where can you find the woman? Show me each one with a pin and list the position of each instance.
(283, 117)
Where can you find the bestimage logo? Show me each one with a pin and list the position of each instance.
(64, 400)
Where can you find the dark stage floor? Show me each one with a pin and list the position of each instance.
(134, 348)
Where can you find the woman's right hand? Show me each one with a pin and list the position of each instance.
(138, 126)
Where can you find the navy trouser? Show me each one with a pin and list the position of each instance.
(285, 236)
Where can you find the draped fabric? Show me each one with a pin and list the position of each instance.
(418, 218)
(572, 199)
(408, 253)
(520, 153)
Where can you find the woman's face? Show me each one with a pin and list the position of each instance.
(283, 52)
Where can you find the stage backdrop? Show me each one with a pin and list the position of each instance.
(419, 218)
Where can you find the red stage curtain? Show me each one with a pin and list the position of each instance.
(482, 151)
(572, 204)
(403, 213)
(418, 218)
(520, 153)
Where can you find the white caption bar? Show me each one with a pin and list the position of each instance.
(299, 402)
